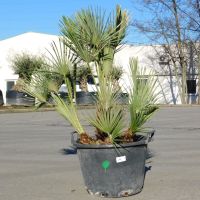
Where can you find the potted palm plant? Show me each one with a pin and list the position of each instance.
(116, 74)
(24, 65)
(84, 97)
(112, 158)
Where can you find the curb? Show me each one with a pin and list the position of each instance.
(22, 109)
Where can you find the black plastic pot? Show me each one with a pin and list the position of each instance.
(19, 98)
(63, 95)
(113, 172)
(85, 98)
(192, 98)
(1, 98)
(122, 98)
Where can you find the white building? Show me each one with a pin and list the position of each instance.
(37, 44)
(31, 43)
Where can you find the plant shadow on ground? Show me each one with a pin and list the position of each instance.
(150, 154)
(69, 151)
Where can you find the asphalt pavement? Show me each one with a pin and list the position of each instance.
(34, 164)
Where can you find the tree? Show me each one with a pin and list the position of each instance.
(175, 25)
(83, 72)
(115, 75)
(25, 64)
(89, 36)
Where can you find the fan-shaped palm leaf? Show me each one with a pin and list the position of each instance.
(142, 96)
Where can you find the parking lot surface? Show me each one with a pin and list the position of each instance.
(33, 165)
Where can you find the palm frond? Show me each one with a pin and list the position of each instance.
(69, 112)
(106, 94)
(38, 87)
(142, 96)
(61, 59)
(41, 86)
(93, 37)
(85, 34)
(109, 122)
(109, 115)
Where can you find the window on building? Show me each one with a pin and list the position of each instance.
(10, 85)
(191, 86)
(90, 80)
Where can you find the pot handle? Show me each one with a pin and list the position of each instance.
(151, 135)
(74, 138)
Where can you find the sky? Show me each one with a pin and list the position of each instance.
(20, 16)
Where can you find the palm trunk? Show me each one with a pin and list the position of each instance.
(116, 86)
(83, 84)
(107, 63)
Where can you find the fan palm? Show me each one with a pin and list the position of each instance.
(115, 74)
(83, 72)
(109, 116)
(94, 38)
(60, 62)
(87, 40)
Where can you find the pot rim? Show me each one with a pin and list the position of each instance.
(144, 140)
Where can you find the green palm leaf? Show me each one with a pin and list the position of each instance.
(109, 122)
(92, 37)
(38, 87)
(142, 97)
(41, 86)
(69, 112)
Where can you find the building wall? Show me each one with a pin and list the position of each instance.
(38, 44)
(148, 58)
(30, 43)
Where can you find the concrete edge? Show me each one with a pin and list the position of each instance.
(22, 109)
